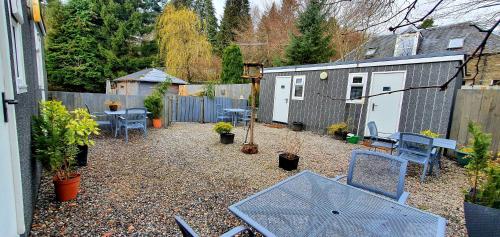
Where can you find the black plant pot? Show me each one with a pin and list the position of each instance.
(81, 157)
(288, 164)
(297, 126)
(481, 221)
(340, 135)
(227, 138)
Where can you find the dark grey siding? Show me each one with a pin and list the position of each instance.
(421, 109)
(25, 109)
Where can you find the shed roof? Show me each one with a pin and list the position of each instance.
(150, 75)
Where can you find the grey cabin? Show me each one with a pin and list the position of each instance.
(143, 83)
(322, 94)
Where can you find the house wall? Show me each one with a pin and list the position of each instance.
(127, 88)
(489, 69)
(421, 109)
(26, 108)
(146, 88)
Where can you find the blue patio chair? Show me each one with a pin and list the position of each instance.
(418, 149)
(246, 116)
(187, 231)
(134, 118)
(101, 118)
(221, 114)
(379, 142)
(377, 172)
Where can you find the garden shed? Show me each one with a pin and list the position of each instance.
(322, 94)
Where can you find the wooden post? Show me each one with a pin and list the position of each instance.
(252, 116)
(254, 72)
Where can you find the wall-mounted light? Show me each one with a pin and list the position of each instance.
(323, 75)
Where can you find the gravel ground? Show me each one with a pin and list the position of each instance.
(135, 189)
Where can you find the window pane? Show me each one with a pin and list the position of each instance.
(299, 90)
(356, 92)
(357, 80)
(298, 80)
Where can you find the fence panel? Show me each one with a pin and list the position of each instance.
(480, 106)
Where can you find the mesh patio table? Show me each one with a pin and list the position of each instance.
(309, 204)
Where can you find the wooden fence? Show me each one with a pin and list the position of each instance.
(176, 108)
(234, 91)
(481, 106)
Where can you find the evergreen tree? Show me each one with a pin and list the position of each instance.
(73, 61)
(182, 3)
(427, 23)
(232, 65)
(236, 18)
(313, 44)
(206, 12)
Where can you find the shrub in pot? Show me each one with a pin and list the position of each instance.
(80, 127)
(113, 104)
(463, 155)
(154, 104)
(482, 200)
(288, 159)
(338, 130)
(297, 126)
(52, 147)
(224, 129)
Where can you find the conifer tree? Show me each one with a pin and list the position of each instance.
(236, 18)
(232, 65)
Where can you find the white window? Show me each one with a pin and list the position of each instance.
(17, 45)
(39, 61)
(299, 83)
(356, 87)
(406, 44)
(456, 43)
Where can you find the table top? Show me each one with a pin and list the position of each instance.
(121, 112)
(309, 204)
(437, 142)
(235, 110)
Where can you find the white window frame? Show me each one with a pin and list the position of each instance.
(303, 84)
(16, 19)
(401, 38)
(350, 83)
(39, 61)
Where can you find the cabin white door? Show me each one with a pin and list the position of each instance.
(281, 98)
(385, 110)
(11, 217)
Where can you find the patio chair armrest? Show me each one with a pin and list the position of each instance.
(403, 198)
(339, 177)
(121, 118)
(234, 231)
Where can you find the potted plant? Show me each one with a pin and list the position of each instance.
(154, 104)
(79, 129)
(288, 159)
(463, 155)
(482, 200)
(113, 104)
(52, 147)
(224, 129)
(297, 126)
(338, 130)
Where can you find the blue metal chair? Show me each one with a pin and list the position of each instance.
(187, 231)
(378, 142)
(221, 114)
(101, 118)
(377, 172)
(418, 149)
(247, 116)
(134, 118)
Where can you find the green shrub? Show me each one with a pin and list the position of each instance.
(337, 128)
(223, 127)
(80, 127)
(154, 104)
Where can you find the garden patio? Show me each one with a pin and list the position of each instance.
(138, 188)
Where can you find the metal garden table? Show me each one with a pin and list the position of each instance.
(234, 114)
(117, 113)
(309, 204)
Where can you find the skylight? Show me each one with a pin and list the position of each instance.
(370, 52)
(456, 43)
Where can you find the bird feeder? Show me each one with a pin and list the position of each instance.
(254, 72)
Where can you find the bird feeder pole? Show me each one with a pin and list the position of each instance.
(252, 71)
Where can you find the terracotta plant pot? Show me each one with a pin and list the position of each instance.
(113, 107)
(67, 189)
(157, 123)
(288, 164)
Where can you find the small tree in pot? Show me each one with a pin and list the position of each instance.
(154, 104)
(80, 128)
(482, 200)
(224, 129)
(289, 158)
(338, 130)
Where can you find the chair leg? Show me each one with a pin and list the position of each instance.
(126, 135)
(424, 172)
(116, 132)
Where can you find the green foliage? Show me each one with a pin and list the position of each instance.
(206, 12)
(236, 18)
(209, 90)
(232, 65)
(489, 192)
(427, 23)
(313, 44)
(182, 3)
(478, 170)
(56, 133)
(337, 128)
(429, 133)
(163, 87)
(154, 104)
(223, 127)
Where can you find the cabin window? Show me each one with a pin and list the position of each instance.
(406, 45)
(39, 61)
(17, 45)
(356, 87)
(298, 87)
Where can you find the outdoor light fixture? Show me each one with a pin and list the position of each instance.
(323, 75)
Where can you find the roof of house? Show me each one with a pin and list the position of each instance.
(434, 39)
(150, 75)
(420, 58)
